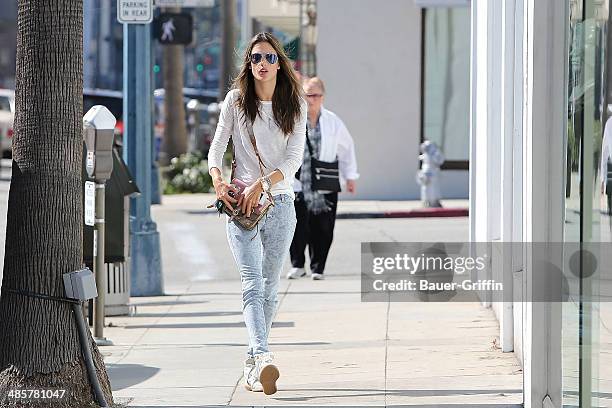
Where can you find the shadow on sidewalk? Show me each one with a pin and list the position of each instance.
(169, 302)
(189, 314)
(273, 344)
(200, 325)
(127, 375)
(397, 393)
(292, 292)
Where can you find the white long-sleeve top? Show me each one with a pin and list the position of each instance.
(277, 151)
(336, 142)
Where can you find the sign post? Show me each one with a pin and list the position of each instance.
(145, 260)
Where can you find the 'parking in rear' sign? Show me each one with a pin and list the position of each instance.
(134, 11)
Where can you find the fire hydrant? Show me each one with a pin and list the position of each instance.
(429, 175)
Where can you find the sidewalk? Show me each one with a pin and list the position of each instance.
(187, 348)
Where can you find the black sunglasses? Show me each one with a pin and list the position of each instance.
(256, 58)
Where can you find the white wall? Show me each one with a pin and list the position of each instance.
(518, 120)
(369, 56)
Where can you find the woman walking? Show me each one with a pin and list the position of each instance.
(329, 140)
(265, 102)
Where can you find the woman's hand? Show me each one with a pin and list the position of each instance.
(250, 197)
(350, 186)
(225, 192)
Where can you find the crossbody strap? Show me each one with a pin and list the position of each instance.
(310, 145)
(233, 159)
(308, 142)
(249, 127)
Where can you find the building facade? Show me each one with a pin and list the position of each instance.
(398, 75)
(529, 112)
(538, 113)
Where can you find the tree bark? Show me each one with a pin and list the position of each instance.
(44, 237)
(175, 140)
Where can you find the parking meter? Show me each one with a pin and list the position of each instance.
(99, 135)
(213, 112)
(193, 119)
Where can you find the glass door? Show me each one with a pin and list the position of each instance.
(583, 218)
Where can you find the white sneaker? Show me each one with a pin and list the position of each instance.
(267, 372)
(251, 382)
(317, 276)
(295, 273)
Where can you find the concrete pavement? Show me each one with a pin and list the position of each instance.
(187, 348)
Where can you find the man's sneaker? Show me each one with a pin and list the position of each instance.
(251, 382)
(317, 276)
(268, 373)
(295, 273)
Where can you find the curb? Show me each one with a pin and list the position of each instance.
(416, 213)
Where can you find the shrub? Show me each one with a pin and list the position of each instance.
(188, 173)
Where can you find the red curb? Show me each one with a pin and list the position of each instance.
(416, 213)
(428, 212)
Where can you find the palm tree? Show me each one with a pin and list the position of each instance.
(44, 237)
(175, 131)
(228, 37)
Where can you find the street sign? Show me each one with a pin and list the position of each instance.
(184, 3)
(134, 11)
(173, 28)
(90, 202)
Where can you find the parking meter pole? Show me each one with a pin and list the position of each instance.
(100, 267)
(145, 261)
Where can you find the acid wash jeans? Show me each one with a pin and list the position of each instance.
(260, 255)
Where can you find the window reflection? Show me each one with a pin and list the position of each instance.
(585, 317)
(446, 85)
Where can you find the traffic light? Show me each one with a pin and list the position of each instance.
(173, 28)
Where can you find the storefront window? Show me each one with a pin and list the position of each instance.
(587, 220)
(446, 81)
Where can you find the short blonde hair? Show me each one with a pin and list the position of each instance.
(317, 82)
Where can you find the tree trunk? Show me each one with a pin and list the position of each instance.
(44, 237)
(175, 140)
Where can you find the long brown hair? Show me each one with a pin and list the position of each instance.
(287, 93)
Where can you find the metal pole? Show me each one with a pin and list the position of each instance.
(301, 42)
(245, 31)
(228, 18)
(100, 266)
(145, 268)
